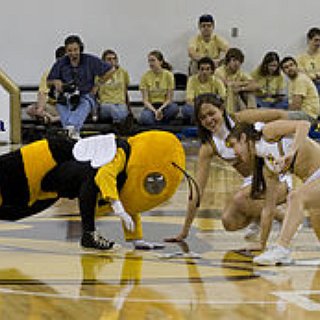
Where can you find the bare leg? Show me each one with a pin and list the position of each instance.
(242, 209)
(315, 222)
(306, 196)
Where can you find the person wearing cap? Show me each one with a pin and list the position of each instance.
(206, 44)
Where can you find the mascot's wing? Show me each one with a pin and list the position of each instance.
(99, 150)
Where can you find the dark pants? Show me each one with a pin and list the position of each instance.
(73, 179)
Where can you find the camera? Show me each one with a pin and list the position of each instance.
(70, 94)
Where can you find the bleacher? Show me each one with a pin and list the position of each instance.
(34, 129)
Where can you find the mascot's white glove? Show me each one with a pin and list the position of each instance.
(145, 245)
(124, 216)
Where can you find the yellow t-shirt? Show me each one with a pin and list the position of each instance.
(309, 64)
(213, 85)
(302, 85)
(157, 85)
(232, 97)
(211, 49)
(222, 73)
(270, 85)
(43, 88)
(114, 89)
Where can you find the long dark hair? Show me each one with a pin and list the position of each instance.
(214, 99)
(158, 54)
(258, 185)
(267, 59)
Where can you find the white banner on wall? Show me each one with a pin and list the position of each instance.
(4, 116)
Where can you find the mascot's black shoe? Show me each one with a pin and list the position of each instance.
(94, 240)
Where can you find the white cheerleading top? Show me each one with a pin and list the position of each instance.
(222, 150)
(271, 151)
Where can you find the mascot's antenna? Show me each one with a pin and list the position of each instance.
(191, 182)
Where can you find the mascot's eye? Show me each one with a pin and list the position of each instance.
(154, 183)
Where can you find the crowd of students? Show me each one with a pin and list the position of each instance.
(214, 67)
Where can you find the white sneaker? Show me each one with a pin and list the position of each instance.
(275, 255)
(72, 133)
(252, 231)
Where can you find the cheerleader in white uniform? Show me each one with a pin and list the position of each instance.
(277, 148)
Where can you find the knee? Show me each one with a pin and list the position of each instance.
(233, 220)
(234, 216)
(32, 110)
(229, 222)
(295, 198)
(239, 200)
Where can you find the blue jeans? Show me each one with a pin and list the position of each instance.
(170, 112)
(117, 112)
(78, 116)
(282, 104)
(188, 113)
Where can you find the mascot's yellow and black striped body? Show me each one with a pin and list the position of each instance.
(35, 176)
(21, 173)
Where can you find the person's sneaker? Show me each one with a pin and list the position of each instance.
(73, 133)
(95, 241)
(275, 255)
(252, 231)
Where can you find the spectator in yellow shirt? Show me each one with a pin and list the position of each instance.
(206, 44)
(44, 108)
(113, 94)
(270, 83)
(157, 86)
(202, 82)
(240, 85)
(309, 62)
(302, 93)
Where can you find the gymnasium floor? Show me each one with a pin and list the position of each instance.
(44, 274)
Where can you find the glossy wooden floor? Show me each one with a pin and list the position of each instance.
(44, 274)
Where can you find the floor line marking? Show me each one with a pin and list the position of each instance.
(299, 298)
(132, 300)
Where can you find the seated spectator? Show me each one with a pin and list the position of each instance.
(270, 83)
(240, 85)
(202, 82)
(113, 94)
(309, 62)
(73, 77)
(206, 44)
(302, 93)
(157, 87)
(44, 109)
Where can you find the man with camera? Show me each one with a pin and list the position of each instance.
(73, 78)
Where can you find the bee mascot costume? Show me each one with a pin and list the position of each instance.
(106, 174)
